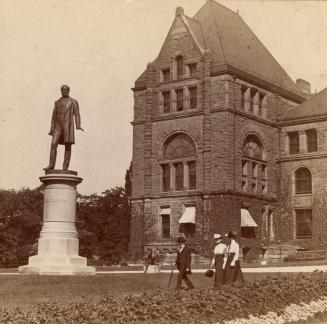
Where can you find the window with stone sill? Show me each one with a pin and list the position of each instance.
(165, 226)
(179, 166)
(294, 142)
(303, 181)
(312, 142)
(191, 69)
(254, 166)
(303, 223)
(193, 97)
(243, 95)
(165, 177)
(253, 92)
(179, 99)
(165, 75)
(166, 101)
(260, 104)
(179, 66)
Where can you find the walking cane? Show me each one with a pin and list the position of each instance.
(171, 275)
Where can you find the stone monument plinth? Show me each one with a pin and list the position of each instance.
(58, 243)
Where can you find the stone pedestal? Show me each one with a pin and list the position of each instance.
(58, 243)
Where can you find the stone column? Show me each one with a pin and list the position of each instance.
(302, 142)
(58, 243)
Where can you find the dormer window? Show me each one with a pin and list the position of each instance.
(179, 66)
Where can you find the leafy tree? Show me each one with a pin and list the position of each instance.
(20, 224)
(103, 225)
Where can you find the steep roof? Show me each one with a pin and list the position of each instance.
(234, 43)
(196, 30)
(315, 106)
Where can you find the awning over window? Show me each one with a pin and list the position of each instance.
(246, 219)
(188, 215)
(165, 211)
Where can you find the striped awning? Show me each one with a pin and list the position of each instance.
(246, 219)
(188, 215)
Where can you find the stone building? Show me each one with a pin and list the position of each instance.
(214, 118)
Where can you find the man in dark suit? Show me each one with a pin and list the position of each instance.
(62, 127)
(183, 264)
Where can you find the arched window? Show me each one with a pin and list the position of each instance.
(254, 166)
(178, 165)
(179, 66)
(303, 182)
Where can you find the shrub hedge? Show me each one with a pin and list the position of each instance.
(197, 306)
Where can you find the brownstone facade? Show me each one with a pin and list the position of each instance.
(209, 137)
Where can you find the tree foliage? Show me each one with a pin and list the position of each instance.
(103, 223)
(20, 224)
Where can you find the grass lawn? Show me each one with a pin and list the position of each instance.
(28, 290)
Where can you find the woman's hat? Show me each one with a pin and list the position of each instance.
(217, 236)
(231, 234)
(181, 240)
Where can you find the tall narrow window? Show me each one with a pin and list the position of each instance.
(166, 102)
(193, 97)
(165, 75)
(303, 223)
(165, 226)
(243, 94)
(252, 95)
(294, 142)
(180, 102)
(180, 66)
(179, 173)
(303, 181)
(260, 107)
(312, 143)
(192, 175)
(165, 177)
(254, 166)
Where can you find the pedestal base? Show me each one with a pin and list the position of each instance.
(57, 257)
(58, 242)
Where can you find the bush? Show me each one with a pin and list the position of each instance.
(196, 306)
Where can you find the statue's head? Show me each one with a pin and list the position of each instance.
(65, 90)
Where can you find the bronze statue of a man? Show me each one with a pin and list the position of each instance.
(62, 127)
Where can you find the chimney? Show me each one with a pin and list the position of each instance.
(304, 85)
(179, 11)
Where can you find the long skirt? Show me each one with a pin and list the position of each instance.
(232, 274)
(219, 273)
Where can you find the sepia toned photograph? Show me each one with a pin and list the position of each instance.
(163, 161)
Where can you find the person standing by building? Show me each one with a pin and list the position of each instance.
(183, 264)
(218, 260)
(232, 270)
(152, 258)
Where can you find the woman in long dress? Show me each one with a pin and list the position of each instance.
(232, 270)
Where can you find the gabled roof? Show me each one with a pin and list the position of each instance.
(234, 43)
(315, 106)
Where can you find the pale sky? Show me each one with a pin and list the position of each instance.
(99, 48)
